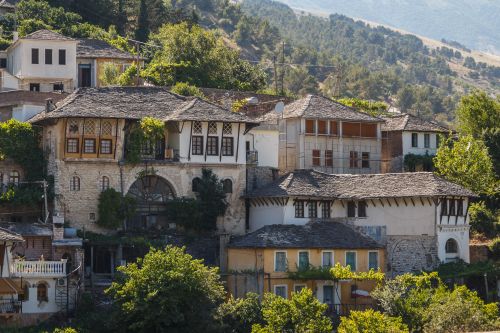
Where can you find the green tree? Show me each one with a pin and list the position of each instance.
(405, 98)
(301, 314)
(237, 315)
(142, 31)
(212, 199)
(185, 89)
(466, 162)
(370, 321)
(167, 291)
(491, 138)
(109, 74)
(482, 219)
(113, 209)
(477, 112)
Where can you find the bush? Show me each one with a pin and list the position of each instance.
(238, 315)
(495, 248)
(370, 321)
(185, 89)
(113, 208)
(482, 219)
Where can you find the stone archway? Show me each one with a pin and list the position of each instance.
(151, 194)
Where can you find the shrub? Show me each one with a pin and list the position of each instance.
(185, 89)
(238, 315)
(482, 219)
(113, 208)
(495, 248)
(370, 321)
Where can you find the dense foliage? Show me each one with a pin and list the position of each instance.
(144, 133)
(238, 315)
(478, 112)
(185, 89)
(113, 208)
(370, 321)
(167, 291)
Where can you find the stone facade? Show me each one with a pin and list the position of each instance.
(411, 254)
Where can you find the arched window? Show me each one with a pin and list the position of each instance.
(451, 246)
(41, 292)
(74, 185)
(104, 183)
(195, 185)
(227, 185)
(14, 177)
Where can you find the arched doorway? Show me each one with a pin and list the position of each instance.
(151, 194)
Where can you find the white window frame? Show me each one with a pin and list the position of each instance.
(355, 259)
(298, 285)
(333, 257)
(308, 257)
(286, 259)
(378, 260)
(281, 285)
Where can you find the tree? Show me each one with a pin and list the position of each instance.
(142, 31)
(466, 162)
(109, 74)
(482, 219)
(185, 89)
(370, 321)
(478, 112)
(238, 315)
(212, 198)
(113, 208)
(167, 291)
(491, 138)
(405, 98)
(301, 314)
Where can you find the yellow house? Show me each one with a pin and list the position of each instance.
(286, 258)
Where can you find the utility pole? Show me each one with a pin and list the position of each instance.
(137, 48)
(282, 68)
(275, 76)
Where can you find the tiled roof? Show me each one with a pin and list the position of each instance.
(6, 235)
(310, 183)
(8, 4)
(325, 235)
(321, 107)
(408, 122)
(45, 34)
(28, 229)
(137, 103)
(95, 48)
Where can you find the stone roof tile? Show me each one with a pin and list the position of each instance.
(6, 235)
(45, 34)
(95, 48)
(408, 122)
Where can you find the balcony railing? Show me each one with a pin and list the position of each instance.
(41, 268)
(9, 306)
(252, 157)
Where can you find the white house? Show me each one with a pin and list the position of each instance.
(420, 217)
(406, 134)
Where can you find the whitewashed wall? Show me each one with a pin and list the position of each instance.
(420, 150)
(26, 111)
(32, 305)
(266, 142)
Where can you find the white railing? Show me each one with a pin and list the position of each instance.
(41, 268)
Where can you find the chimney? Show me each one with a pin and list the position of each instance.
(49, 105)
(15, 36)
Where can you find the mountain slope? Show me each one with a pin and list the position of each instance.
(474, 23)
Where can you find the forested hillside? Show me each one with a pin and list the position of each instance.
(334, 56)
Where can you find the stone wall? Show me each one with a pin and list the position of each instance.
(411, 254)
(478, 253)
(258, 177)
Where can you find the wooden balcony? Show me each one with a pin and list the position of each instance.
(41, 268)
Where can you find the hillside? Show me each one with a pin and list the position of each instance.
(473, 23)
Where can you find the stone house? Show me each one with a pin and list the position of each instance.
(420, 218)
(405, 134)
(261, 261)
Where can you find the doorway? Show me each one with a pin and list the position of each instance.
(84, 75)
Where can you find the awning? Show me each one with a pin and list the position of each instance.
(10, 286)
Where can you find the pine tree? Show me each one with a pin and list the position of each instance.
(142, 31)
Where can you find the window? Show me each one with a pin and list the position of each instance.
(197, 145)
(325, 209)
(212, 145)
(444, 207)
(280, 290)
(35, 87)
(89, 146)
(195, 184)
(106, 146)
(373, 260)
(460, 207)
(334, 128)
(313, 209)
(351, 209)
(451, 207)
(41, 292)
(106, 128)
(316, 157)
(427, 140)
(365, 160)
(34, 56)
(298, 287)
(328, 294)
(89, 127)
(14, 177)
(414, 140)
(227, 129)
(197, 127)
(212, 127)
(72, 146)
(451, 246)
(303, 260)
(48, 56)
(299, 209)
(74, 184)
(104, 183)
(3, 63)
(227, 184)
(227, 147)
(92, 217)
(74, 126)
(280, 264)
(328, 158)
(62, 57)
(322, 129)
(350, 260)
(58, 87)
(310, 126)
(327, 259)
(361, 208)
(353, 159)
